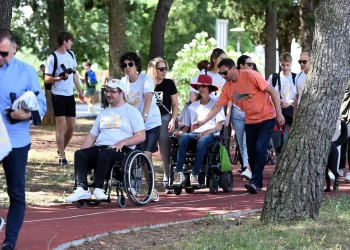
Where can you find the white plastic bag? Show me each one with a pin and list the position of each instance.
(5, 144)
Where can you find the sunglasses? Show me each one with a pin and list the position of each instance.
(162, 69)
(250, 64)
(303, 61)
(130, 64)
(224, 73)
(4, 53)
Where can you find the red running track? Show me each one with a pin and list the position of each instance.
(64, 223)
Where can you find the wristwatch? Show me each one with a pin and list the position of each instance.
(145, 115)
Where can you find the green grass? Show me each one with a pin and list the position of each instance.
(329, 231)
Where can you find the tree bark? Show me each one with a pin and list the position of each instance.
(5, 14)
(296, 188)
(55, 14)
(284, 44)
(158, 29)
(271, 36)
(117, 36)
(306, 24)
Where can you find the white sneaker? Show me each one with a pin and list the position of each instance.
(79, 194)
(347, 176)
(100, 194)
(91, 109)
(154, 196)
(331, 175)
(247, 174)
(2, 223)
(178, 178)
(194, 180)
(341, 172)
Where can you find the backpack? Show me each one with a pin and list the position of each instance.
(55, 61)
(276, 79)
(90, 77)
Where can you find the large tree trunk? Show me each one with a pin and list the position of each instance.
(117, 36)
(284, 44)
(158, 29)
(5, 14)
(296, 188)
(306, 24)
(270, 44)
(55, 13)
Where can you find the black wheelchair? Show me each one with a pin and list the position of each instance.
(210, 176)
(134, 176)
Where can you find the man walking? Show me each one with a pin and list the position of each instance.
(16, 77)
(60, 71)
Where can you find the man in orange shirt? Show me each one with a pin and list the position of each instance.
(252, 94)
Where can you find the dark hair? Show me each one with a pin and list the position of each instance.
(41, 65)
(64, 36)
(228, 62)
(131, 56)
(88, 64)
(255, 67)
(6, 33)
(215, 54)
(202, 65)
(241, 60)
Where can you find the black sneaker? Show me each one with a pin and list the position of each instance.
(251, 188)
(64, 162)
(2, 223)
(7, 247)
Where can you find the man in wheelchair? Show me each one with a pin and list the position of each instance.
(115, 132)
(202, 138)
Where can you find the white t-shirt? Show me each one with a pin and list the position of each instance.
(62, 87)
(196, 112)
(300, 83)
(116, 124)
(287, 88)
(135, 96)
(219, 82)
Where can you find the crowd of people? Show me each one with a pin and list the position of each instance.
(144, 112)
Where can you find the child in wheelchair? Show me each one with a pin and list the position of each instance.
(116, 131)
(200, 139)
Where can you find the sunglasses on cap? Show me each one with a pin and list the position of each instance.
(250, 64)
(130, 64)
(224, 73)
(4, 53)
(162, 69)
(303, 61)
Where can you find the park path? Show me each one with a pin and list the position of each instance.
(48, 227)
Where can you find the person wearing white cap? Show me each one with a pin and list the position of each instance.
(116, 131)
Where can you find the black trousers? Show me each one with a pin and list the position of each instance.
(345, 149)
(99, 158)
(332, 163)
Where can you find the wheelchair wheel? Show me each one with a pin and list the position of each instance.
(177, 191)
(189, 190)
(213, 185)
(121, 202)
(92, 203)
(226, 181)
(138, 178)
(80, 203)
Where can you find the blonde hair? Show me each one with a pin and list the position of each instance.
(286, 57)
(152, 68)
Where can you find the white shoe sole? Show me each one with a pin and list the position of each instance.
(246, 176)
(84, 197)
(2, 223)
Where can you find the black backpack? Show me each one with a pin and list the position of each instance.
(276, 79)
(55, 61)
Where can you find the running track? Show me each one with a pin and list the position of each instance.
(64, 223)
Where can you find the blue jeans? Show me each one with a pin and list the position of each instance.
(15, 171)
(188, 141)
(277, 140)
(258, 138)
(238, 126)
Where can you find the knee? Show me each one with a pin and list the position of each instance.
(184, 138)
(79, 154)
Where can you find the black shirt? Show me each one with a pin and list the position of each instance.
(163, 92)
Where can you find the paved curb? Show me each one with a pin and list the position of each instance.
(125, 231)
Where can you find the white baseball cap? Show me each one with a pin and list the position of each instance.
(116, 83)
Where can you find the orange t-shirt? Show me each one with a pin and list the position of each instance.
(249, 95)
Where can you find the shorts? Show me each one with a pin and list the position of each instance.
(63, 105)
(150, 144)
(90, 91)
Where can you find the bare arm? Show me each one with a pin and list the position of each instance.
(174, 110)
(295, 106)
(76, 82)
(228, 113)
(89, 141)
(147, 106)
(276, 102)
(52, 79)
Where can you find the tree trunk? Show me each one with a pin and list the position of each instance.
(306, 24)
(284, 44)
(296, 188)
(158, 29)
(117, 36)
(270, 44)
(5, 14)
(55, 14)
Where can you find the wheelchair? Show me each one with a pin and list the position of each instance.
(210, 175)
(134, 176)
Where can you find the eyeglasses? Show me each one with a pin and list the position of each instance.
(250, 64)
(162, 69)
(224, 73)
(303, 61)
(130, 64)
(4, 53)
(111, 91)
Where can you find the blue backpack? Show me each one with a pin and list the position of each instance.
(91, 79)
